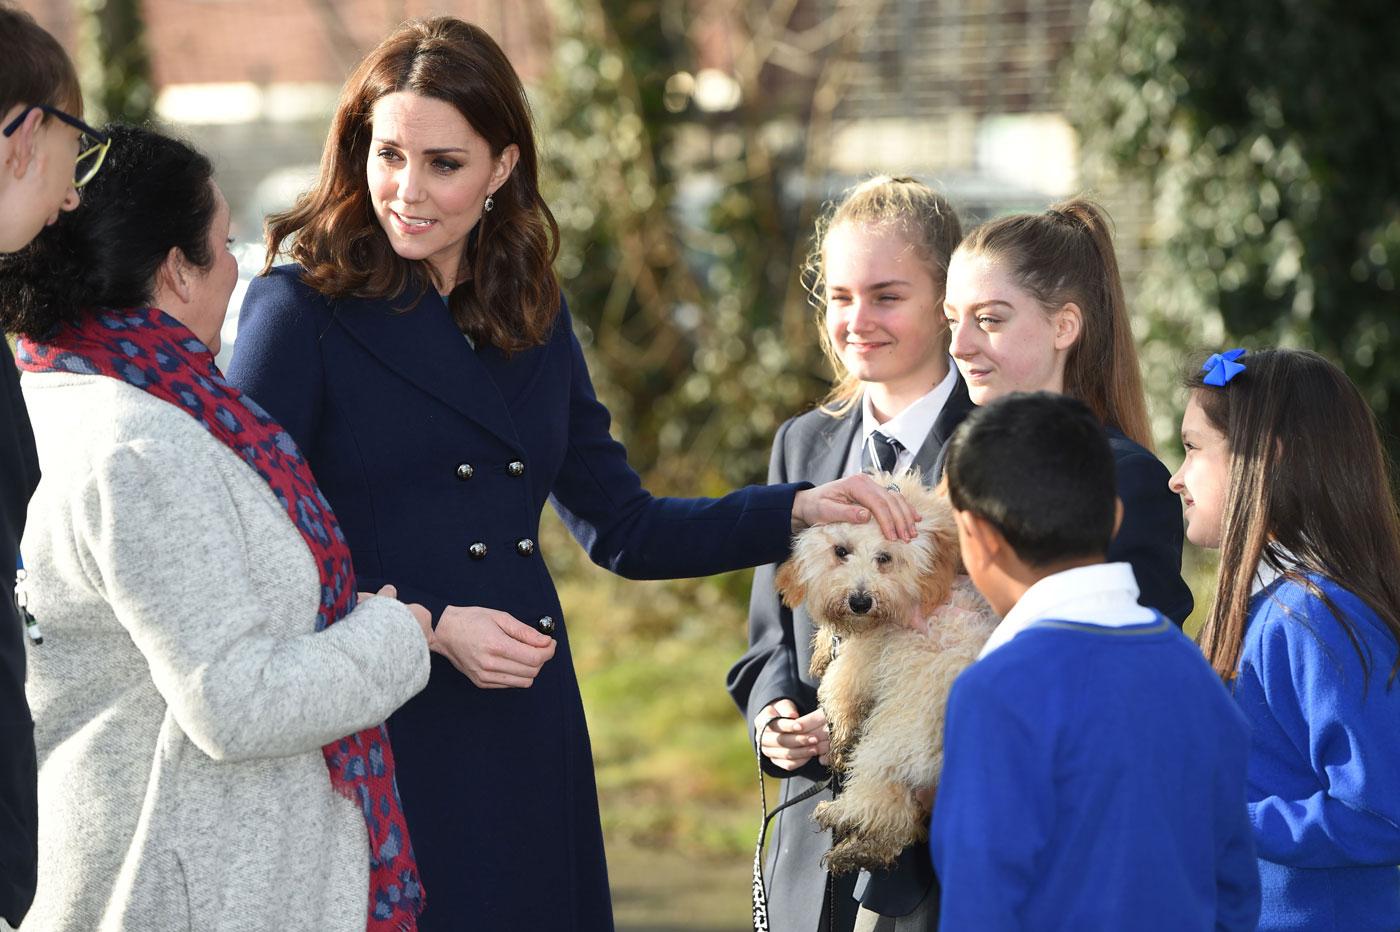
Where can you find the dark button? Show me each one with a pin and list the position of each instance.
(465, 471)
(546, 625)
(477, 550)
(515, 468)
(525, 546)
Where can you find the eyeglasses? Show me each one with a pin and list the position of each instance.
(92, 145)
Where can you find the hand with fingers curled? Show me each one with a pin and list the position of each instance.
(794, 739)
(493, 649)
(855, 500)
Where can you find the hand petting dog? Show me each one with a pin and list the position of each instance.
(854, 500)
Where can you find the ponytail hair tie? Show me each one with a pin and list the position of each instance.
(1220, 368)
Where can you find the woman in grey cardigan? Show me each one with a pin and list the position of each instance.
(208, 695)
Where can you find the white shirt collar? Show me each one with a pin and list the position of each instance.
(1264, 574)
(910, 427)
(1102, 594)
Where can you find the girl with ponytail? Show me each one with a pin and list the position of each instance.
(1035, 303)
(420, 355)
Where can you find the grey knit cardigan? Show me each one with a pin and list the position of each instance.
(182, 695)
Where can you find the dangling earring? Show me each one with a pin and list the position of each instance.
(489, 203)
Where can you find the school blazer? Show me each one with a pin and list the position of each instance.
(814, 447)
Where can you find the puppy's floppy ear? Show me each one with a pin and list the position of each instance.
(944, 557)
(789, 584)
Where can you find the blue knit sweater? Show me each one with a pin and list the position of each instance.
(1094, 779)
(1324, 763)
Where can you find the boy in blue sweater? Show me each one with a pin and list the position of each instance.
(1094, 765)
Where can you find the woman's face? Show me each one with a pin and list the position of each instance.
(882, 310)
(1003, 339)
(1204, 476)
(429, 176)
(211, 288)
(44, 158)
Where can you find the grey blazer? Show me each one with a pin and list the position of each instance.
(813, 447)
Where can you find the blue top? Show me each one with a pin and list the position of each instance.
(1324, 763)
(1093, 779)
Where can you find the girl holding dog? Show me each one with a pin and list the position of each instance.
(876, 274)
(1285, 475)
(1035, 303)
(420, 354)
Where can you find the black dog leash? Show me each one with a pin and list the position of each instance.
(760, 894)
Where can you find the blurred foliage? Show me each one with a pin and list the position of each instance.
(115, 65)
(1269, 133)
(681, 244)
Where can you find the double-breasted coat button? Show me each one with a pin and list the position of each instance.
(546, 625)
(525, 546)
(465, 471)
(515, 468)
(477, 551)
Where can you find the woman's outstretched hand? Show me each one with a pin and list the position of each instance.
(855, 500)
(493, 649)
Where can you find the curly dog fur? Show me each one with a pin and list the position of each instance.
(885, 688)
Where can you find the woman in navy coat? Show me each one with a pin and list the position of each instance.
(420, 355)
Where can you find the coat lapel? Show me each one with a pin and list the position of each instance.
(423, 346)
(830, 446)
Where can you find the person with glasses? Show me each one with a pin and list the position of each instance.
(209, 696)
(37, 182)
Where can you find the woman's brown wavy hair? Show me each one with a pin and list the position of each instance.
(511, 299)
(1065, 255)
(927, 222)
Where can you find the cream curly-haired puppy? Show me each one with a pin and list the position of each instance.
(885, 678)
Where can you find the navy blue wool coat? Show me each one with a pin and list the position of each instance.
(438, 460)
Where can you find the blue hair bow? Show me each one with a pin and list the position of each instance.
(1221, 367)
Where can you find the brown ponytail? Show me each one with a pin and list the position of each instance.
(1065, 255)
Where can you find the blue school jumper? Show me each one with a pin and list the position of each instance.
(1324, 762)
(1094, 779)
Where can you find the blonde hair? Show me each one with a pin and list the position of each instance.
(921, 215)
(1065, 255)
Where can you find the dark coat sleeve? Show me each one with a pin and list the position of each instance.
(768, 670)
(1150, 537)
(625, 529)
(19, 474)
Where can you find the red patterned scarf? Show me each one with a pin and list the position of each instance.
(149, 349)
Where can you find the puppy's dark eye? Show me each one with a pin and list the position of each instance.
(841, 552)
(882, 558)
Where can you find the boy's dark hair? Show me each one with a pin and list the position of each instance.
(1038, 467)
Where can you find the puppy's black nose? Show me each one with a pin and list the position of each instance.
(860, 602)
